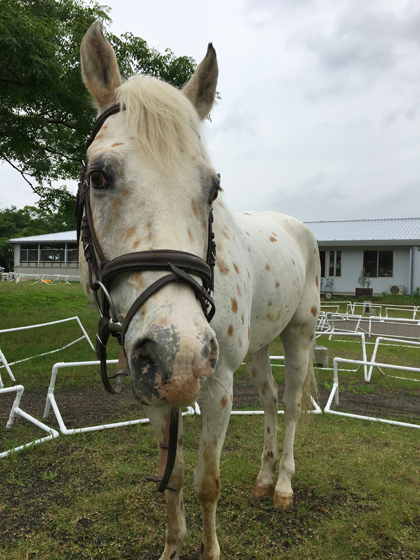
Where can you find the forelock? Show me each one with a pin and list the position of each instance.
(160, 118)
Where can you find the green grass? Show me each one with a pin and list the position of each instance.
(28, 304)
(357, 493)
(356, 496)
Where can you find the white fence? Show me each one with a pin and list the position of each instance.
(326, 326)
(3, 331)
(335, 390)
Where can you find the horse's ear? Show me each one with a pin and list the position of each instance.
(201, 87)
(99, 66)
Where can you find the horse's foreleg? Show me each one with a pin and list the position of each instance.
(175, 517)
(297, 347)
(259, 368)
(215, 412)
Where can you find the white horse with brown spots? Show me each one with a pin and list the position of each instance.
(151, 187)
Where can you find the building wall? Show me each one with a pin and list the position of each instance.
(416, 268)
(47, 269)
(352, 264)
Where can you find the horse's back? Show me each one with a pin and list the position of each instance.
(279, 236)
(281, 255)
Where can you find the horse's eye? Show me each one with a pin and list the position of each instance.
(214, 195)
(97, 180)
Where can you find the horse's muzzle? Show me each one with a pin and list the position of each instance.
(168, 367)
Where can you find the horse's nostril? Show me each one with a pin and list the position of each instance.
(141, 349)
(145, 361)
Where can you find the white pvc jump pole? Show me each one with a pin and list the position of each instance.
(334, 393)
(52, 402)
(7, 365)
(375, 350)
(16, 411)
(9, 371)
(346, 333)
(51, 323)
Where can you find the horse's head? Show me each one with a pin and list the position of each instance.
(150, 188)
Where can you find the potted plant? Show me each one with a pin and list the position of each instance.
(365, 283)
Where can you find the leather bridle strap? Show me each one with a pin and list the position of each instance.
(177, 274)
(100, 121)
(168, 453)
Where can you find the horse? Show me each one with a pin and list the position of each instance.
(191, 288)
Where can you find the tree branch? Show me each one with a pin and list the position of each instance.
(20, 171)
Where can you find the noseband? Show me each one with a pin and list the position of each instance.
(180, 265)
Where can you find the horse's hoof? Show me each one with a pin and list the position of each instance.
(260, 490)
(282, 500)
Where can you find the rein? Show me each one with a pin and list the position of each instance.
(181, 266)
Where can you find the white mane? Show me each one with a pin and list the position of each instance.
(160, 118)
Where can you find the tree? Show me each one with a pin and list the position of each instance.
(46, 113)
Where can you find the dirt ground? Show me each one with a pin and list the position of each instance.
(93, 406)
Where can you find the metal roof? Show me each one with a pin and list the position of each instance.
(393, 231)
(404, 231)
(63, 236)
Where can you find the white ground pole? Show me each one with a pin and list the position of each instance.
(375, 350)
(52, 402)
(346, 333)
(322, 321)
(7, 365)
(9, 371)
(371, 320)
(16, 411)
(316, 410)
(414, 309)
(334, 392)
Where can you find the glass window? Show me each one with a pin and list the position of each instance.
(331, 262)
(72, 253)
(29, 253)
(52, 254)
(322, 257)
(386, 264)
(370, 263)
(338, 264)
(378, 264)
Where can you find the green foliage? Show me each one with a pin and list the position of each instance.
(363, 280)
(135, 57)
(46, 113)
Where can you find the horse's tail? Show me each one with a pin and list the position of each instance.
(309, 388)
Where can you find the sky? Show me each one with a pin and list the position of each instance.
(319, 115)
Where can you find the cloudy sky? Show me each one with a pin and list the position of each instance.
(320, 109)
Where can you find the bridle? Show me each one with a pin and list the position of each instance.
(180, 265)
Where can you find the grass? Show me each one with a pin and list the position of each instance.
(356, 485)
(85, 496)
(25, 304)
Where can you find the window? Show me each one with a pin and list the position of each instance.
(52, 254)
(65, 253)
(378, 264)
(330, 263)
(29, 253)
(72, 254)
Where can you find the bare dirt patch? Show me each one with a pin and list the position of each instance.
(93, 406)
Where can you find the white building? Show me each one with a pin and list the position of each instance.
(51, 254)
(386, 250)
